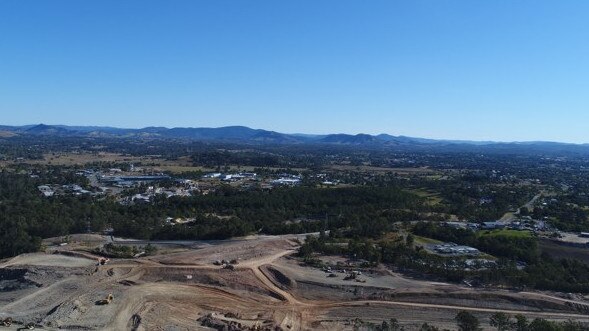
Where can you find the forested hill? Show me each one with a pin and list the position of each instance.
(246, 135)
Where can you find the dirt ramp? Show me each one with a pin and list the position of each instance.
(278, 277)
(240, 280)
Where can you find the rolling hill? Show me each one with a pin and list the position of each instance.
(246, 135)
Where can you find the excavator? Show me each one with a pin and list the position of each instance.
(6, 322)
(106, 301)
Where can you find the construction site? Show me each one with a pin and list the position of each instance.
(251, 283)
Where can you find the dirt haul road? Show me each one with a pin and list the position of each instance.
(152, 293)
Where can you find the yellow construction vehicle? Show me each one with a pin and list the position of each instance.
(106, 301)
(7, 322)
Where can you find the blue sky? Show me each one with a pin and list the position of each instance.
(483, 70)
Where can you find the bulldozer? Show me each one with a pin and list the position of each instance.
(7, 322)
(105, 301)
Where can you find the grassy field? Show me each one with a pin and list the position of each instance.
(400, 171)
(433, 198)
(424, 240)
(73, 159)
(150, 163)
(80, 159)
(7, 134)
(559, 251)
(178, 169)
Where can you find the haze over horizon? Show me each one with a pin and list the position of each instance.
(500, 71)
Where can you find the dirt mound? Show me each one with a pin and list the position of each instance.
(50, 260)
(217, 323)
(243, 280)
(65, 312)
(15, 279)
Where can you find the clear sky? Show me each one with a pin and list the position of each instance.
(483, 70)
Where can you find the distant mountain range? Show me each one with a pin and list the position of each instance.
(242, 134)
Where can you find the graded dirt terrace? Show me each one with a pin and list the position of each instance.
(267, 289)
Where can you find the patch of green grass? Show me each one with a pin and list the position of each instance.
(425, 240)
(433, 198)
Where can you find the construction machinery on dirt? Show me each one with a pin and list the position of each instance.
(109, 298)
(7, 322)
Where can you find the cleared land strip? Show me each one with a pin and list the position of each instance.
(435, 306)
